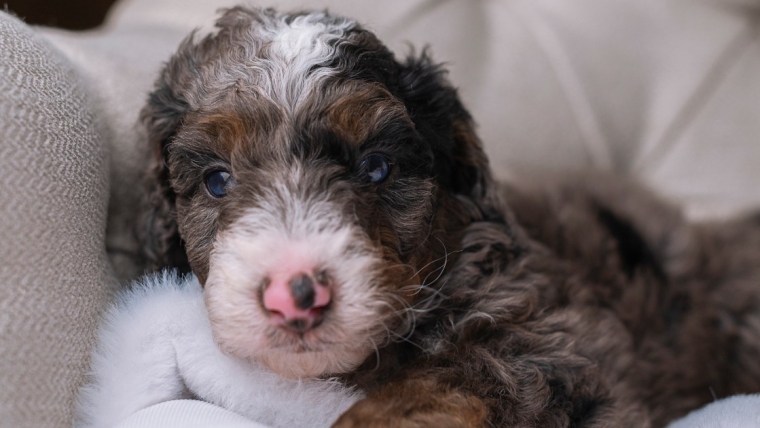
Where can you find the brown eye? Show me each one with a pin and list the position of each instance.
(218, 182)
(375, 168)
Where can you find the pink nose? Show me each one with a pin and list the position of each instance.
(297, 303)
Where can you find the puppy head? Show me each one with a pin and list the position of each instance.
(311, 182)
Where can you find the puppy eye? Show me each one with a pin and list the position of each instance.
(217, 183)
(375, 168)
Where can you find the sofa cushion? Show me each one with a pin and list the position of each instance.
(54, 275)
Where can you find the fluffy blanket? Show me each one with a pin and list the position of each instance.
(739, 411)
(155, 346)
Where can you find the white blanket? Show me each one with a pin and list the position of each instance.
(739, 411)
(155, 346)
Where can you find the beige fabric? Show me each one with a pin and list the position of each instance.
(53, 190)
(118, 68)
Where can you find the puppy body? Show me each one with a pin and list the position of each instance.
(452, 301)
(593, 304)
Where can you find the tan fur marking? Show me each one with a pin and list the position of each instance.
(416, 403)
(226, 129)
(355, 116)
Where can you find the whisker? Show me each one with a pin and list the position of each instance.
(377, 353)
(446, 260)
(407, 313)
(407, 309)
(404, 339)
(395, 266)
(441, 270)
(444, 257)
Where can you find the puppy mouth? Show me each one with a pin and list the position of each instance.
(315, 317)
(306, 340)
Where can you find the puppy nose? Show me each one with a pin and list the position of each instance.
(302, 290)
(297, 303)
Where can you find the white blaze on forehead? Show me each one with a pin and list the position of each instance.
(306, 40)
(300, 46)
(282, 55)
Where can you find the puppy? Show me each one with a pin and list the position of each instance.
(338, 208)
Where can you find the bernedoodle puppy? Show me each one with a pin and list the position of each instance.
(338, 208)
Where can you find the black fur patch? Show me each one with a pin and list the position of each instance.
(634, 252)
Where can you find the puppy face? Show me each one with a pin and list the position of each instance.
(311, 182)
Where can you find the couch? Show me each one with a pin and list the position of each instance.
(665, 91)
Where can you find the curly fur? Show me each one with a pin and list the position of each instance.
(581, 302)
(595, 305)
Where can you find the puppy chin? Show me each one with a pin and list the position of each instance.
(298, 365)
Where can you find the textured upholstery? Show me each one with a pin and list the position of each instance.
(664, 90)
(53, 193)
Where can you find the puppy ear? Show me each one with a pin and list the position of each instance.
(460, 165)
(162, 116)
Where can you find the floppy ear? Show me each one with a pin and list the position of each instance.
(460, 165)
(162, 116)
